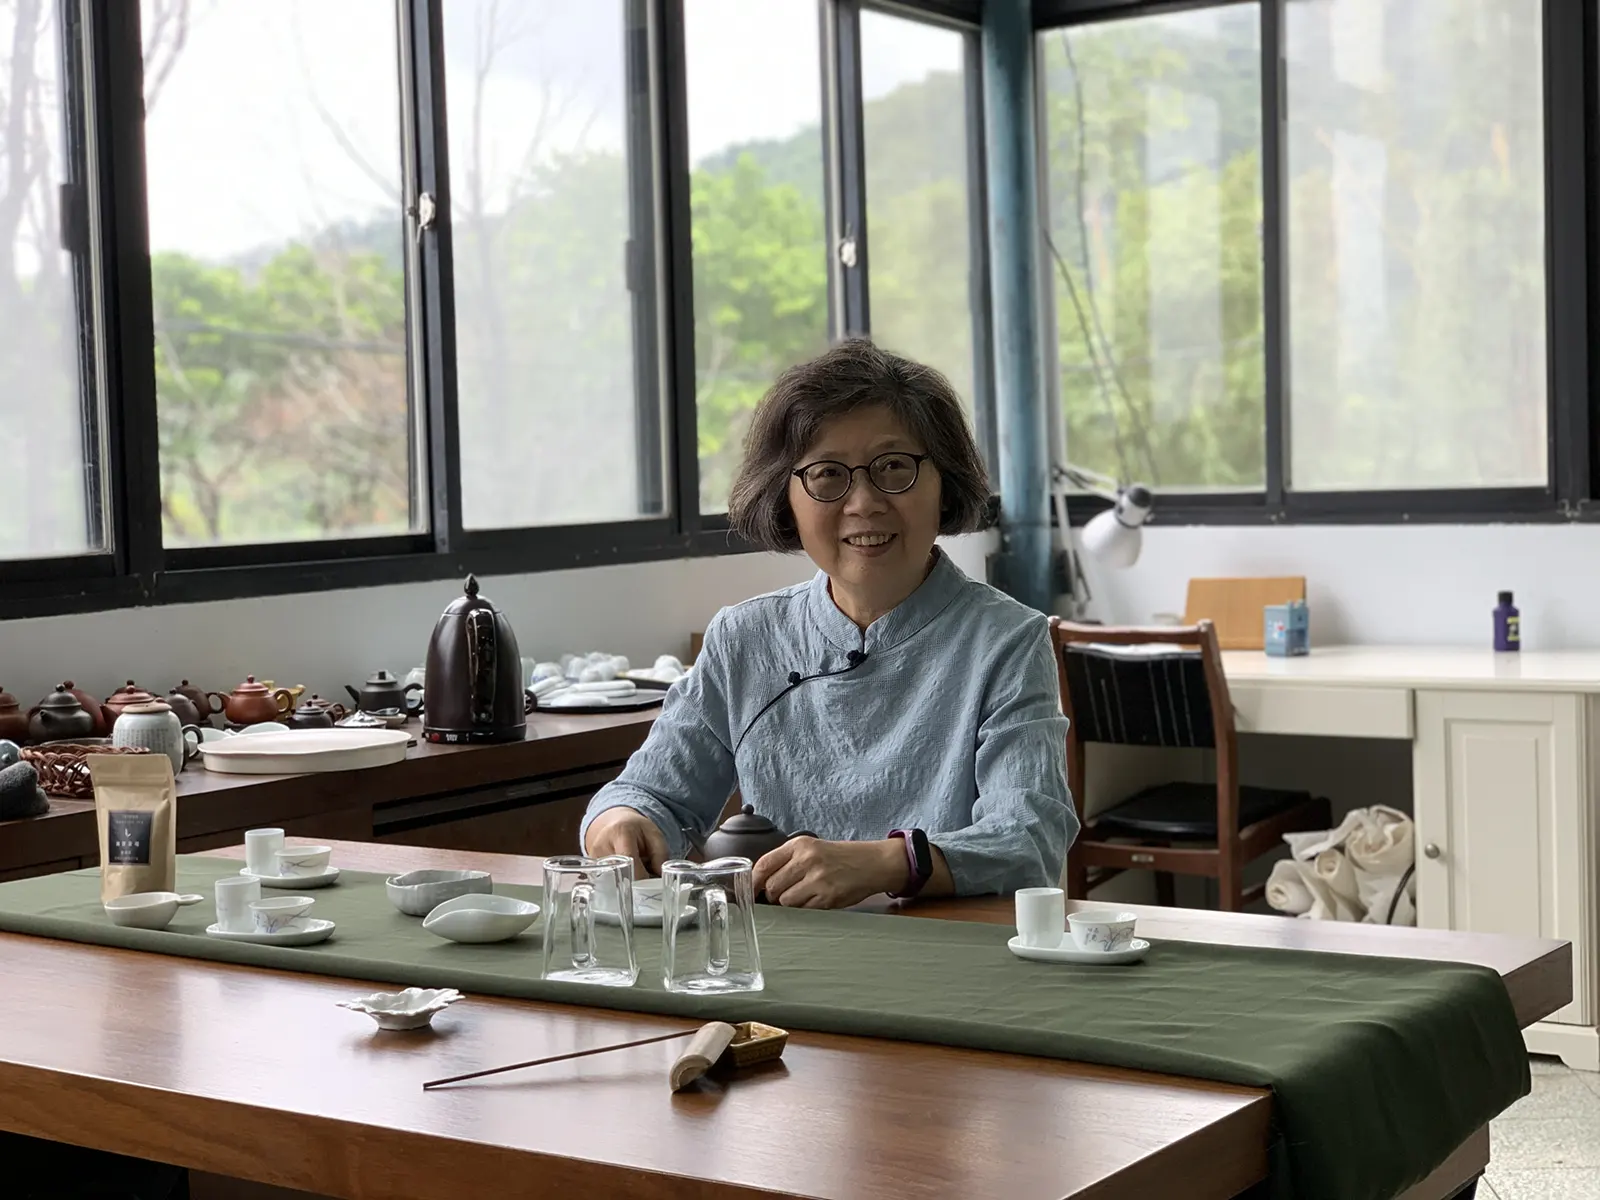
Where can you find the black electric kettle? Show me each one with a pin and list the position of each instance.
(473, 689)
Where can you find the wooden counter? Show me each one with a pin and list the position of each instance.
(521, 797)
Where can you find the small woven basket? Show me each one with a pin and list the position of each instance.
(64, 766)
(754, 1043)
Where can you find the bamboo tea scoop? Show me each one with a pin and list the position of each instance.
(710, 1039)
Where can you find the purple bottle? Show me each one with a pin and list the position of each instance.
(1507, 625)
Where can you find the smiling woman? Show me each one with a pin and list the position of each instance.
(905, 713)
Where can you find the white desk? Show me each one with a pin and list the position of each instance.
(1504, 757)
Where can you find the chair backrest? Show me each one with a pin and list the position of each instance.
(1159, 687)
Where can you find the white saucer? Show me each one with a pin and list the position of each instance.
(1068, 952)
(315, 931)
(647, 906)
(296, 882)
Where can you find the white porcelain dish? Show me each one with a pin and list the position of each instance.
(148, 910)
(302, 751)
(331, 875)
(1068, 952)
(308, 933)
(647, 906)
(476, 919)
(418, 893)
(410, 1009)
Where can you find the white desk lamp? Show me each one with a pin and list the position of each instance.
(1112, 538)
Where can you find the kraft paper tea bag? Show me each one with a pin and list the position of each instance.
(136, 806)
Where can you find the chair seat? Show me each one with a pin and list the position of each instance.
(1189, 811)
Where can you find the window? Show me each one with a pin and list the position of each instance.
(272, 141)
(1416, 244)
(1153, 161)
(552, 213)
(756, 199)
(50, 408)
(914, 89)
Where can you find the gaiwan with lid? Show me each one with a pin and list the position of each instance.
(473, 691)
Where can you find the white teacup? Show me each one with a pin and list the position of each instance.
(1040, 916)
(304, 860)
(1104, 929)
(261, 848)
(235, 893)
(277, 914)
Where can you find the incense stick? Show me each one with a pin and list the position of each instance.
(539, 1062)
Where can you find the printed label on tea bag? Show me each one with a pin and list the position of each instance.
(128, 837)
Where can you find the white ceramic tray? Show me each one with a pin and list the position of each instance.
(300, 751)
(296, 882)
(1068, 952)
(315, 931)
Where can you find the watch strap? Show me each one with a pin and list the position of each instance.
(919, 862)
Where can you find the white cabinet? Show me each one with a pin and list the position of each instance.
(1506, 835)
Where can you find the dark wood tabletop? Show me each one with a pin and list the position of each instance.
(256, 1075)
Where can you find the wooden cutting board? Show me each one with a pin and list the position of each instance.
(1235, 606)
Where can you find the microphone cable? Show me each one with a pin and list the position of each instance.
(855, 658)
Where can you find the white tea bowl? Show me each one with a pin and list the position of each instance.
(276, 914)
(1103, 929)
(148, 910)
(304, 860)
(476, 919)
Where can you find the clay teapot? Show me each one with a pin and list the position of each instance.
(746, 834)
(59, 718)
(180, 702)
(90, 705)
(383, 690)
(251, 703)
(13, 721)
(316, 713)
(199, 697)
(124, 698)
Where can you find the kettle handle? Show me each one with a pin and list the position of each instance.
(482, 653)
(409, 704)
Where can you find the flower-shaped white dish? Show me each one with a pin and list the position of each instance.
(410, 1009)
(481, 918)
(148, 910)
(418, 893)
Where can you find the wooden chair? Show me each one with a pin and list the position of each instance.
(1166, 690)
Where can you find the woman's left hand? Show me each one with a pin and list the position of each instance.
(806, 872)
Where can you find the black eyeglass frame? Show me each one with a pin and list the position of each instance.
(916, 473)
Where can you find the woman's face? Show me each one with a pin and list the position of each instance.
(869, 541)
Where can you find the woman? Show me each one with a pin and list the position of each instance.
(906, 715)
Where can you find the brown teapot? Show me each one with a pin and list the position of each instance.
(189, 713)
(60, 718)
(316, 713)
(124, 698)
(746, 834)
(251, 703)
(13, 721)
(90, 705)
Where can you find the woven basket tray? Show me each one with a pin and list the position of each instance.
(64, 766)
(754, 1043)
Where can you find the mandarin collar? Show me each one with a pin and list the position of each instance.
(931, 598)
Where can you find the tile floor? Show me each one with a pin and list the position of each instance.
(1547, 1146)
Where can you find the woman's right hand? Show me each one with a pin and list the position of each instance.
(627, 831)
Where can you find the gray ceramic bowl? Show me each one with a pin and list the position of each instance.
(418, 893)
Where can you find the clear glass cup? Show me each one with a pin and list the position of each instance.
(708, 927)
(578, 948)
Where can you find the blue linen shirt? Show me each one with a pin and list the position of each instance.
(952, 724)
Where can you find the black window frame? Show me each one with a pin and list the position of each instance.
(1571, 60)
(137, 570)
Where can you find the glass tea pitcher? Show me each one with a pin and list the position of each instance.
(588, 920)
(708, 927)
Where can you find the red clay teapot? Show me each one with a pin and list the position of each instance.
(13, 721)
(124, 698)
(251, 703)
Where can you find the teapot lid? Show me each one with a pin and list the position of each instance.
(130, 694)
(313, 707)
(380, 678)
(62, 697)
(469, 600)
(149, 706)
(250, 687)
(747, 820)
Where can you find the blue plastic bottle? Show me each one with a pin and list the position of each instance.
(1507, 625)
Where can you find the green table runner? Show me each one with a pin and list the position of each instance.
(1381, 1067)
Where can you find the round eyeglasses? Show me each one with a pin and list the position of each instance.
(826, 480)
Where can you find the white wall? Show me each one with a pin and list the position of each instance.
(327, 639)
(1419, 584)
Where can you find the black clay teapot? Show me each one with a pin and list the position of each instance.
(383, 690)
(746, 834)
(59, 718)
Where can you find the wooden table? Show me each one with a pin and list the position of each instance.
(256, 1075)
(523, 797)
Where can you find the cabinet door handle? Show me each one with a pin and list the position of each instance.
(1431, 850)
